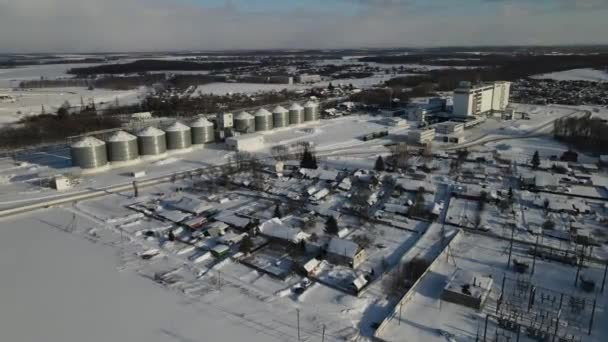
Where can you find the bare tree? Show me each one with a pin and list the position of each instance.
(280, 152)
(401, 155)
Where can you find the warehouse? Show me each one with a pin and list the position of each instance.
(248, 142)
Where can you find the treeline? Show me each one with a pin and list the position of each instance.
(49, 128)
(207, 103)
(496, 67)
(584, 133)
(155, 65)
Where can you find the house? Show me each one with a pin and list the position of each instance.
(190, 205)
(358, 283)
(569, 156)
(216, 229)
(346, 252)
(311, 267)
(278, 230)
(220, 250)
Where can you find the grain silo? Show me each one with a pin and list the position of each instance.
(122, 147)
(311, 111)
(263, 120)
(202, 131)
(280, 117)
(296, 114)
(151, 142)
(89, 153)
(179, 137)
(244, 122)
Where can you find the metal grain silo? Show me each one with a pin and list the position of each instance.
(244, 122)
(263, 120)
(179, 136)
(296, 114)
(122, 147)
(202, 131)
(151, 142)
(89, 153)
(280, 117)
(311, 111)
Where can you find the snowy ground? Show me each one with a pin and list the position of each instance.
(591, 75)
(425, 314)
(30, 101)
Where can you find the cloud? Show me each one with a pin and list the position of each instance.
(155, 25)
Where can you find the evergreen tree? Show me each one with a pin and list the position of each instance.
(330, 87)
(309, 161)
(510, 195)
(331, 226)
(379, 164)
(246, 245)
(277, 211)
(535, 162)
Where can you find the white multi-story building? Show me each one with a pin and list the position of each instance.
(481, 99)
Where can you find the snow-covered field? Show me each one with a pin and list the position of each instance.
(59, 287)
(591, 75)
(30, 101)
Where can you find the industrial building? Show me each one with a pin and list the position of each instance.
(248, 142)
(449, 127)
(471, 100)
(421, 136)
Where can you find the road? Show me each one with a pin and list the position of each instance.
(536, 132)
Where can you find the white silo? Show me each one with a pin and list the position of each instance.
(280, 117)
(179, 137)
(296, 114)
(311, 111)
(263, 120)
(202, 131)
(151, 142)
(89, 153)
(244, 122)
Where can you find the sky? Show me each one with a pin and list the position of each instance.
(162, 25)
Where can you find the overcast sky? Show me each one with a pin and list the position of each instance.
(153, 25)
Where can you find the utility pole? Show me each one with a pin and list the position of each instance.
(511, 246)
(323, 334)
(580, 265)
(298, 315)
(135, 189)
(534, 256)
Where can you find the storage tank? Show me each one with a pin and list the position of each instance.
(179, 136)
(202, 131)
(151, 142)
(122, 147)
(311, 111)
(263, 120)
(89, 153)
(244, 122)
(280, 117)
(296, 114)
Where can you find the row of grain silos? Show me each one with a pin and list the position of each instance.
(121, 147)
(263, 120)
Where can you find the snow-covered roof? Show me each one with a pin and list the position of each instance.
(263, 112)
(190, 205)
(150, 132)
(279, 109)
(88, 142)
(243, 116)
(343, 247)
(311, 264)
(121, 136)
(177, 127)
(277, 229)
(142, 115)
(295, 106)
(311, 104)
(201, 122)
(231, 219)
(359, 282)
